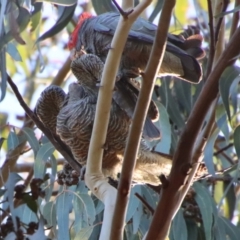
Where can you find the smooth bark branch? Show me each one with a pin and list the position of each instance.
(94, 177)
(144, 98)
(172, 195)
(62, 73)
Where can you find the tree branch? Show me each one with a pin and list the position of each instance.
(55, 140)
(171, 196)
(142, 105)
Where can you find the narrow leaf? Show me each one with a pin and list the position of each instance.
(60, 2)
(63, 203)
(63, 20)
(133, 202)
(31, 139)
(179, 226)
(3, 73)
(43, 154)
(204, 202)
(12, 141)
(227, 78)
(236, 138)
(13, 52)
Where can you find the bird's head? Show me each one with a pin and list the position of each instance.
(74, 36)
(88, 71)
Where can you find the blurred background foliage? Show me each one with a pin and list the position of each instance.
(33, 51)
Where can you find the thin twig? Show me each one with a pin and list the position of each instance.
(145, 203)
(223, 149)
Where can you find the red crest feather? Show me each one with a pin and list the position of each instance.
(73, 38)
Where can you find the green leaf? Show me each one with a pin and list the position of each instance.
(84, 233)
(236, 9)
(165, 128)
(89, 207)
(3, 73)
(156, 10)
(179, 226)
(31, 203)
(170, 103)
(31, 139)
(49, 213)
(230, 201)
(236, 138)
(45, 151)
(232, 231)
(227, 78)
(137, 218)
(36, 15)
(208, 152)
(222, 121)
(192, 229)
(13, 52)
(49, 187)
(1, 142)
(63, 20)
(60, 2)
(64, 202)
(23, 19)
(134, 202)
(12, 141)
(13, 178)
(204, 202)
(151, 197)
(2, 191)
(219, 230)
(103, 6)
(183, 95)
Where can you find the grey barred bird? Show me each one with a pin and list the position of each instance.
(93, 34)
(49, 105)
(75, 118)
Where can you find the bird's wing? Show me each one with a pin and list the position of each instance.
(49, 105)
(126, 97)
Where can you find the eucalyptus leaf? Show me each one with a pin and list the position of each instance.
(137, 218)
(179, 226)
(31, 203)
(44, 152)
(236, 138)
(36, 15)
(23, 19)
(13, 52)
(49, 213)
(231, 231)
(12, 141)
(3, 71)
(204, 202)
(62, 209)
(31, 139)
(134, 202)
(227, 78)
(156, 10)
(63, 20)
(165, 127)
(208, 152)
(103, 6)
(61, 2)
(13, 178)
(84, 234)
